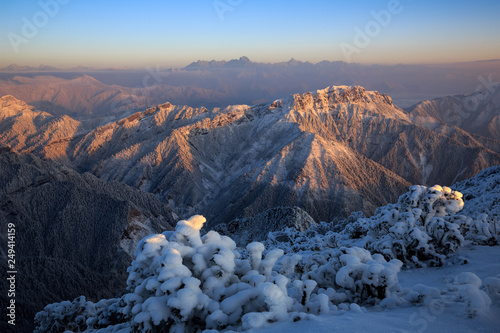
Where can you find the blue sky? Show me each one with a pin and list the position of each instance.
(175, 33)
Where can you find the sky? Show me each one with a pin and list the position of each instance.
(135, 34)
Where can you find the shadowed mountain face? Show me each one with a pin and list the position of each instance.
(478, 113)
(74, 232)
(330, 152)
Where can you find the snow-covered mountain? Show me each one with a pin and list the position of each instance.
(331, 152)
(27, 130)
(478, 113)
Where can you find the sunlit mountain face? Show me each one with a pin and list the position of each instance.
(331, 152)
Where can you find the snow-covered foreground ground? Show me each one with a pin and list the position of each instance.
(484, 261)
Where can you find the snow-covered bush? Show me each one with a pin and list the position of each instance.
(422, 294)
(421, 229)
(424, 227)
(181, 282)
(482, 209)
(292, 240)
(77, 316)
(353, 274)
(482, 229)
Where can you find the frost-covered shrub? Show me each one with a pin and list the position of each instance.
(180, 281)
(476, 300)
(422, 294)
(77, 316)
(482, 196)
(351, 274)
(424, 226)
(483, 229)
(421, 229)
(292, 240)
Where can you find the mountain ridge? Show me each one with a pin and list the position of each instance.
(318, 150)
(476, 113)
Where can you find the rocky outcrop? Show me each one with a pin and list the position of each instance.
(255, 229)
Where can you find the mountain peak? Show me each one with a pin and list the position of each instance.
(8, 98)
(348, 94)
(18, 68)
(233, 63)
(357, 94)
(9, 101)
(86, 79)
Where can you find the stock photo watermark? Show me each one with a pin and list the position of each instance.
(151, 80)
(372, 29)
(471, 104)
(485, 84)
(223, 6)
(31, 26)
(421, 318)
(11, 274)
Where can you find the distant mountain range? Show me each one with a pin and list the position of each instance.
(234, 63)
(45, 68)
(17, 68)
(84, 92)
(243, 61)
(330, 152)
